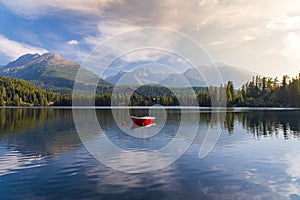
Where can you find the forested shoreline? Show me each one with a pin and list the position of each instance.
(259, 92)
(17, 92)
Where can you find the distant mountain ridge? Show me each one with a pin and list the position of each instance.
(226, 72)
(192, 77)
(140, 76)
(48, 71)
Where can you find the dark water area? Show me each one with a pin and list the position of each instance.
(257, 155)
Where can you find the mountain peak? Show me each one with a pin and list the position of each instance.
(22, 60)
(141, 75)
(29, 55)
(49, 71)
(28, 58)
(52, 55)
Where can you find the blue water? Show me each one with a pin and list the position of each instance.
(256, 157)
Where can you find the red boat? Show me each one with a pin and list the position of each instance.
(143, 121)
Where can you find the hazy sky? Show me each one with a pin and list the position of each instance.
(262, 36)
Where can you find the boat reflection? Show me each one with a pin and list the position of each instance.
(135, 126)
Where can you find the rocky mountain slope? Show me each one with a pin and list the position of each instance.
(48, 71)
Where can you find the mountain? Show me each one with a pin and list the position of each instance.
(237, 75)
(143, 76)
(139, 76)
(228, 73)
(180, 80)
(48, 71)
(52, 72)
(22, 60)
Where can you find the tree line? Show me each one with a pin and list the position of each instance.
(16, 92)
(264, 91)
(258, 92)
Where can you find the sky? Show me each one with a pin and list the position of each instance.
(260, 36)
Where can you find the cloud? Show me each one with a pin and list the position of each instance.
(213, 18)
(71, 50)
(229, 29)
(108, 30)
(226, 17)
(112, 28)
(249, 38)
(73, 42)
(293, 171)
(292, 45)
(14, 49)
(207, 2)
(36, 8)
(14, 162)
(284, 23)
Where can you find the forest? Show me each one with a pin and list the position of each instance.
(263, 91)
(16, 92)
(258, 92)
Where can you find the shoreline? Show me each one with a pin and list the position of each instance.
(152, 107)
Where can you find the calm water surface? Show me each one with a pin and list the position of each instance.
(257, 157)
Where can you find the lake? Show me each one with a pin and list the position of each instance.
(247, 154)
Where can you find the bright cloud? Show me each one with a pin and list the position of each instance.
(73, 42)
(284, 23)
(249, 38)
(292, 45)
(14, 49)
(293, 171)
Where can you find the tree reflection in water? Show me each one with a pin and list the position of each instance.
(51, 131)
